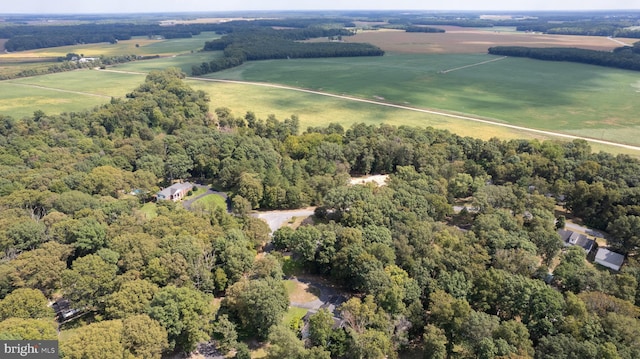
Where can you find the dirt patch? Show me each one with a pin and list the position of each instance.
(457, 40)
(380, 180)
(301, 292)
(276, 219)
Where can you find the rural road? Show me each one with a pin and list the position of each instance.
(409, 108)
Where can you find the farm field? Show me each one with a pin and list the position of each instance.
(182, 61)
(63, 92)
(162, 47)
(567, 97)
(313, 110)
(43, 58)
(465, 40)
(575, 99)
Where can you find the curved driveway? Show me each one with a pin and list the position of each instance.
(187, 203)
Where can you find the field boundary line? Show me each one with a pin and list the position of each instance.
(618, 41)
(58, 90)
(471, 65)
(416, 109)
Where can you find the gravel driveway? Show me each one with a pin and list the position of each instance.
(276, 219)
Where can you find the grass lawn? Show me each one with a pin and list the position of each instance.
(209, 202)
(150, 210)
(300, 292)
(294, 313)
(195, 193)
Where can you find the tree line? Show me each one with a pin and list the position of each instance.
(627, 57)
(66, 64)
(266, 43)
(416, 274)
(423, 29)
(28, 37)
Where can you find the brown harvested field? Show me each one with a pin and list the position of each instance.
(204, 20)
(459, 40)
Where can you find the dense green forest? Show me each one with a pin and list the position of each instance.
(26, 37)
(267, 43)
(627, 57)
(617, 24)
(417, 275)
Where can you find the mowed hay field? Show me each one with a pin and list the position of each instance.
(63, 92)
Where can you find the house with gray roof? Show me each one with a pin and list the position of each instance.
(174, 192)
(570, 238)
(609, 259)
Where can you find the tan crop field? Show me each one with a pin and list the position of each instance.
(458, 40)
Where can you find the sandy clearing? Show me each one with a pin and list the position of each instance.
(276, 219)
(380, 180)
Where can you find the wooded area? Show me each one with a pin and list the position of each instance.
(418, 275)
(626, 57)
(267, 43)
(26, 37)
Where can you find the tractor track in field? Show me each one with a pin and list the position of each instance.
(58, 90)
(472, 65)
(408, 108)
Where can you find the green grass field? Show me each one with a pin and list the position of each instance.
(577, 99)
(182, 61)
(573, 98)
(63, 92)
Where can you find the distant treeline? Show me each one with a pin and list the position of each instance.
(626, 57)
(267, 43)
(584, 28)
(593, 24)
(66, 64)
(28, 37)
(35, 37)
(423, 29)
(470, 22)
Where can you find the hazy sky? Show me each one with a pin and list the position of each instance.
(120, 6)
